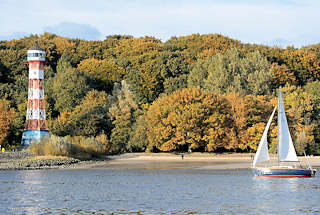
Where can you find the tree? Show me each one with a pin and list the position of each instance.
(282, 75)
(259, 72)
(232, 72)
(173, 84)
(304, 64)
(199, 73)
(138, 139)
(299, 110)
(4, 73)
(104, 72)
(194, 47)
(122, 113)
(174, 70)
(224, 73)
(69, 87)
(145, 77)
(61, 125)
(6, 119)
(189, 119)
(90, 117)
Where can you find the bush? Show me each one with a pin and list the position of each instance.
(79, 146)
(53, 145)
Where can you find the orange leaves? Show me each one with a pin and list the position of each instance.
(190, 118)
(254, 134)
(6, 118)
(282, 75)
(304, 64)
(197, 46)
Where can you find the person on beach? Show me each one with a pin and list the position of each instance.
(182, 156)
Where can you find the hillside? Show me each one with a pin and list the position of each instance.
(190, 93)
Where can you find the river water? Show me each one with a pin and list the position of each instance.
(105, 191)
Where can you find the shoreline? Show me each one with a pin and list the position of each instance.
(195, 161)
(140, 161)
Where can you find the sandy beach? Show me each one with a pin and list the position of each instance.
(204, 161)
(128, 161)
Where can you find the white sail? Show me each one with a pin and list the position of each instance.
(262, 152)
(286, 151)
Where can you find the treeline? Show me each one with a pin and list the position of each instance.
(191, 93)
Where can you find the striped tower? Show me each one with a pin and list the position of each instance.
(36, 124)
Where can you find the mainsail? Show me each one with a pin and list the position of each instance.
(286, 151)
(262, 152)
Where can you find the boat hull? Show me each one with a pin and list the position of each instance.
(285, 172)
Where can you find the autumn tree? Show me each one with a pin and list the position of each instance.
(299, 110)
(145, 77)
(304, 64)
(313, 88)
(6, 119)
(282, 75)
(102, 72)
(189, 119)
(194, 47)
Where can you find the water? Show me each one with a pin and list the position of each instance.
(96, 191)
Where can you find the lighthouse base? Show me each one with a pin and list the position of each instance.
(30, 136)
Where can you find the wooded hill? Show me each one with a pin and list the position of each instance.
(190, 93)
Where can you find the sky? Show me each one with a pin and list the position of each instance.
(269, 22)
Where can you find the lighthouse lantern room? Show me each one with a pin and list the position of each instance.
(36, 124)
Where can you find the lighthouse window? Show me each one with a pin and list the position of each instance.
(36, 55)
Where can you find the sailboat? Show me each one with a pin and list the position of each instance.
(286, 151)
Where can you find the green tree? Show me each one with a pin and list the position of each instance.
(138, 139)
(68, 87)
(122, 113)
(90, 117)
(233, 72)
(259, 72)
(199, 73)
(4, 73)
(224, 73)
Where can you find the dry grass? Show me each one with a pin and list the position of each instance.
(78, 147)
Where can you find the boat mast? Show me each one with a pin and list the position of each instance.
(278, 146)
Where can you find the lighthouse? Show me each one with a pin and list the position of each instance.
(36, 124)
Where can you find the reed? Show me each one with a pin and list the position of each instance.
(78, 146)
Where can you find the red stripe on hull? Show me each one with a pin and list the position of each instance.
(285, 176)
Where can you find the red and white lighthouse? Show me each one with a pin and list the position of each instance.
(36, 123)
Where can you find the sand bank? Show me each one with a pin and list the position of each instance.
(204, 161)
(131, 161)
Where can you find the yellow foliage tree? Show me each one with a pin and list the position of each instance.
(6, 118)
(104, 70)
(190, 119)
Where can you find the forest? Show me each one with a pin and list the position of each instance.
(205, 93)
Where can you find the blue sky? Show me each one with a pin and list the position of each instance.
(271, 22)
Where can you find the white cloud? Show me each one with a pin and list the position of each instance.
(75, 30)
